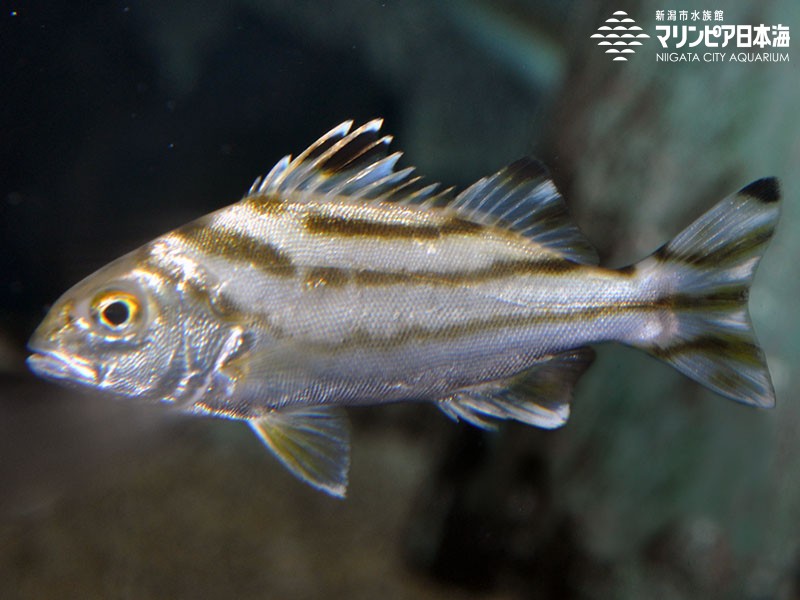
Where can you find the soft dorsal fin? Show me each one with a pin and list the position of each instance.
(344, 164)
(522, 197)
(347, 166)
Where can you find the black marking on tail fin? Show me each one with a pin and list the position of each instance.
(706, 331)
(728, 363)
(766, 189)
(734, 251)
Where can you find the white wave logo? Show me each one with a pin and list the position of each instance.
(619, 32)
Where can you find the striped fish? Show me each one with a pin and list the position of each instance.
(340, 280)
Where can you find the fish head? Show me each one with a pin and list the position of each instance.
(116, 331)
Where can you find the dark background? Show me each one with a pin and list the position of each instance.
(122, 120)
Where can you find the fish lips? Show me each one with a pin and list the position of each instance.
(62, 366)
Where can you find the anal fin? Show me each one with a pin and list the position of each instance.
(539, 396)
(312, 442)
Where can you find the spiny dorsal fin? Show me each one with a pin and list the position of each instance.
(312, 442)
(540, 396)
(521, 197)
(344, 164)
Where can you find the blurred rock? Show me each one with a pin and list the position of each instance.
(12, 358)
(693, 556)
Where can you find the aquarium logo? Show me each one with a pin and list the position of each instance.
(620, 34)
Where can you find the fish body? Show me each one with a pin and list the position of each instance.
(339, 281)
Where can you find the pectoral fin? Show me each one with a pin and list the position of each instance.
(312, 442)
(540, 396)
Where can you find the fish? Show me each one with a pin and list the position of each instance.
(341, 280)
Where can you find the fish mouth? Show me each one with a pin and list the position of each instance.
(55, 364)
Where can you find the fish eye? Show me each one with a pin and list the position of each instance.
(115, 310)
(116, 314)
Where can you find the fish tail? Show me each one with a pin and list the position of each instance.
(703, 279)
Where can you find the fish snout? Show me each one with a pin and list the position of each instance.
(53, 362)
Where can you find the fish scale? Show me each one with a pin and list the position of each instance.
(341, 281)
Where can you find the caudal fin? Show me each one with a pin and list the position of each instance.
(705, 275)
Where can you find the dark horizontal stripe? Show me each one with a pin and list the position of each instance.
(221, 305)
(196, 288)
(727, 380)
(236, 247)
(379, 278)
(417, 334)
(628, 271)
(326, 276)
(723, 346)
(265, 204)
(732, 347)
(735, 251)
(767, 190)
(337, 277)
(722, 299)
(500, 269)
(170, 273)
(460, 226)
(317, 223)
